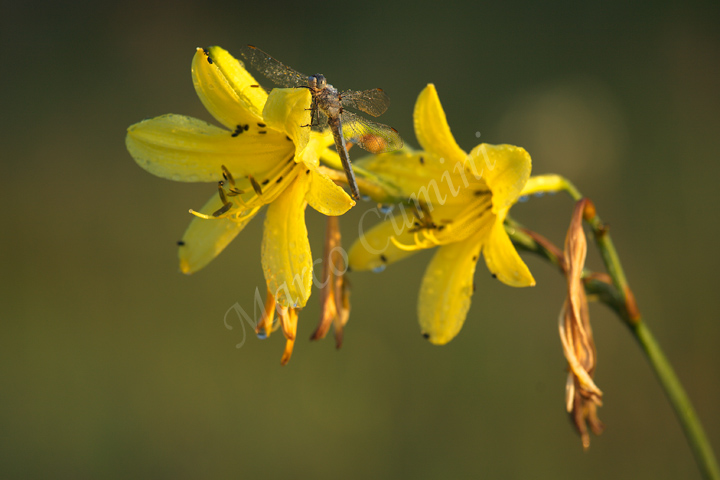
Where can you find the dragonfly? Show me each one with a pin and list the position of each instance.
(328, 109)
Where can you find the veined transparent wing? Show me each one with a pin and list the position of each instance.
(274, 70)
(371, 136)
(373, 102)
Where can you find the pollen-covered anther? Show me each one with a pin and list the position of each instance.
(255, 185)
(221, 192)
(227, 175)
(222, 210)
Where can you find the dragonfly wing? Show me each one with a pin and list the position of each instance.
(371, 136)
(373, 102)
(273, 70)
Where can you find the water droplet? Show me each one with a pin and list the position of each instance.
(364, 198)
(379, 268)
(539, 194)
(385, 209)
(262, 335)
(524, 198)
(477, 134)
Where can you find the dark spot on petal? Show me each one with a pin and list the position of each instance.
(279, 180)
(480, 192)
(265, 182)
(254, 86)
(262, 132)
(383, 258)
(261, 125)
(181, 243)
(288, 138)
(239, 129)
(475, 257)
(426, 335)
(422, 161)
(207, 54)
(307, 171)
(494, 275)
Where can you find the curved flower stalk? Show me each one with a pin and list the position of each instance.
(264, 155)
(458, 202)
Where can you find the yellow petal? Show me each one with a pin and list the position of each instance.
(326, 197)
(421, 175)
(446, 290)
(227, 90)
(316, 146)
(205, 239)
(374, 250)
(503, 260)
(286, 258)
(432, 129)
(189, 150)
(286, 110)
(505, 169)
(460, 222)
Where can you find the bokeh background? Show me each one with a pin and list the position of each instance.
(114, 365)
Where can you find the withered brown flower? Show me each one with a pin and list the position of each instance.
(582, 396)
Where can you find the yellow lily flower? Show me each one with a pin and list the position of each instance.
(458, 202)
(264, 155)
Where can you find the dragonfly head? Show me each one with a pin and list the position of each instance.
(317, 81)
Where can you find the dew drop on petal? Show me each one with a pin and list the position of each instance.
(262, 334)
(523, 198)
(379, 268)
(385, 209)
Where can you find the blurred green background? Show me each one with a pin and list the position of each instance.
(114, 365)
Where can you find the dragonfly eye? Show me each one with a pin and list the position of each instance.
(312, 81)
(322, 81)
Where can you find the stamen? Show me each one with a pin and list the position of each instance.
(227, 175)
(255, 185)
(224, 209)
(221, 192)
(425, 221)
(234, 192)
(201, 215)
(412, 248)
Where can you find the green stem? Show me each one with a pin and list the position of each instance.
(679, 400)
(622, 301)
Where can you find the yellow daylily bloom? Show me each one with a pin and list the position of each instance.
(264, 154)
(458, 202)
